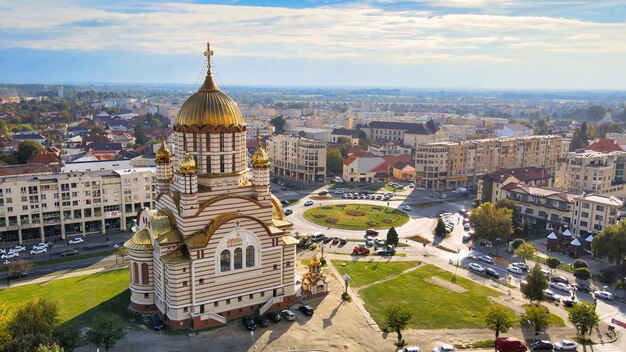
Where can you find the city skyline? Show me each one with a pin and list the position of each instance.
(484, 44)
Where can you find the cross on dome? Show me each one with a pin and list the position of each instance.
(208, 53)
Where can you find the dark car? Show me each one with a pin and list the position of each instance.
(491, 272)
(306, 310)
(559, 279)
(288, 211)
(569, 303)
(371, 233)
(583, 288)
(69, 252)
(541, 345)
(249, 323)
(323, 193)
(274, 316)
(156, 322)
(284, 202)
(261, 320)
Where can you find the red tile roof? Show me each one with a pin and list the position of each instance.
(522, 173)
(605, 145)
(43, 157)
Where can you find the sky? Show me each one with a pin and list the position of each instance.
(447, 44)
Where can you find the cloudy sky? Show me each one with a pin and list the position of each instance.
(494, 44)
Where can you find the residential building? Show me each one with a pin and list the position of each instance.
(93, 164)
(513, 130)
(404, 171)
(351, 135)
(388, 147)
(364, 167)
(446, 165)
(455, 133)
(490, 185)
(408, 134)
(37, 205)
(216, 245)
(297, 158)
(593, 212)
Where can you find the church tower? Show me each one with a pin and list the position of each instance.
(164, 168)
(261, 172)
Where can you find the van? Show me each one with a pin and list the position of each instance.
(317, 236)
(510, 344)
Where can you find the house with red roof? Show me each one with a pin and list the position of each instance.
(604, 146)
(490, 185)
(363, 166)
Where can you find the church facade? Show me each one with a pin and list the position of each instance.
(217, 244)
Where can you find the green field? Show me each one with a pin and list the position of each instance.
(79, 298)
(433, 306)
(365, 272)
(375, 216)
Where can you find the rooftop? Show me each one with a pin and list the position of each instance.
(523, 174)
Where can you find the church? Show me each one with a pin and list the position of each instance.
(217, 244)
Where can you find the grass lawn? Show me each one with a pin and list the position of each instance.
(365, 272)
(69, 259)
(433, 306)
(375, 216)
(79, 298)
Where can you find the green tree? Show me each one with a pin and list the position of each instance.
(491, 223)
(105, 330)
(580, 138)
(32, 324)
(279, 123)
(499, 319)
(516, 243)
(67, 338)
(610, 244)
(553, 262)
(302, 134)
(334, 161)
(583, 317)
(50, 348)
(525, 251)
(140, 135)
(392, 237)
(440, 229)
(4, 129)
(19, 267)
(343, 141)
(595, 112)
(536, 282)
(579, 263)
(26, 150)
(582, 273)
(509, 204)
(538, 316)
(397, 317)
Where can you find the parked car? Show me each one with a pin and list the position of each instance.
(583, 288)
(491, 272)
(69, 252)
(380, 242)
(339, 191)
(323, 193)
(156, 322)
(371, 232)
(262, 321)
(559, 279)
(306, 310)
(274, 316)
(443, 196)
(288, 211)
(284, 202)
(521, 265)
(565, 345)
(515, 270)
(343, 241)
(249, 323)
(568, 302)
(541, 345)
(466, 227)
(308, 203)
(40, 245)
(369, 242)
(10, 255)
(288, 315)
(546, 273)
(599, 294)
(476, 267)
(76, 240)
(551, 296)
(411, 349)
(486, 259)
(38, 251)
(561, 287)
(406, 207)
(510, 344)
(335, 240)
(444, 348)
(18, 248)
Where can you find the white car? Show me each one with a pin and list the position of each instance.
(288, 315)
(308, 203)
(604, 295)
(339, 191)
(10, 255)
(561, 287)
(39, 251)
(40, 245)
(565, 345)
(515, 270)
(444, 348)
(76, 240)
(17, 248)
(406, 207)
(486, 259)
(476, 267)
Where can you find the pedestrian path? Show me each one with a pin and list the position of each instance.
(607, 347)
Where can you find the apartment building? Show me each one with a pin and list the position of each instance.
(37, 205)
(446, 165)
(409, 134)
(490, 185)
(297, 158)
(594, 212)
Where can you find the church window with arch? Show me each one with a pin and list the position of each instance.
(249, 256)
(225, 260)
(238, 258)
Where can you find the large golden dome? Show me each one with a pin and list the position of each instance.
(209, 106)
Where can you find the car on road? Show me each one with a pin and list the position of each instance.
(288, 315)
(466, 227)
(306, 310)
(565, 345)
(69, 252)
(288, 212)
(515, 270)
(406, 207)
(335, 240)
(410, 349)
(561, 287)
(343, 241)
(10, 255)
(491, 272)
(443, 196)
(380, 242)
(371, 232)
(559, 279)
(485, 258)
(40, 245)
(339, 191)
(76, 240)
(551, 296)
(156, 322)
(476, 267)
(344, 196)
(541, 345)
(308, 203)
(444, 348)
(284, 202)
(599, 294)
(274, 316)
(369, 242)
(323, 193)
(583, 288)
(38, 251)
(248, 323)
(521, 265)
(546, 273)
(261, 321)
(17, 248)
(569, 303)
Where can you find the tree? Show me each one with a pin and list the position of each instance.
(595, 112)
(140, 135)
(553, 262)
(4, 129)
(343, 141)
(32, 324)
(579, 263)
(440, 229)
(105, 330)
(302, 134)
(397, 317)
(392, 237)
(26, 150)
(538, 316)
(583, 317)
(525, 251)
(334, 161)
(509, 204)
(536, 282)
(279, 124)
(499, 319)
(491, 223)
(580, 138)
(582, 273)
(516, 243)
(610, 244)
(50, 348)
(19, 268)
(66, 338)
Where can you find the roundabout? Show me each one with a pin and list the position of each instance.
(356, 216)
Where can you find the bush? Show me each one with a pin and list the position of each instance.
(608, 276)
(582, 273)
(553, 262)
(516, 243)
(579, 263)
(346, 297)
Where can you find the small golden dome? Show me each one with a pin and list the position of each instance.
(163, 154)
(209, 106)
(187, 165)
(314, 261)
(260, 157)
(139, 241)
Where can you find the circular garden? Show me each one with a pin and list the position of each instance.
(356, 216)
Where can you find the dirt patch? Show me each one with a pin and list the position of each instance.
(446, 284)
(419, 239)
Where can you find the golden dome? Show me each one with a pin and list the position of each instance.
(209, 106)
(260, 157)
(140, 241)
(187, 165)
(314, 261)
(163, 154)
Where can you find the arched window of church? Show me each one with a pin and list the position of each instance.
(144, 274)
(238, 258)
(225, 260)
(249, 256)
(135, 273)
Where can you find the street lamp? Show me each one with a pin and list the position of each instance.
(346, 278)
(498, 247)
